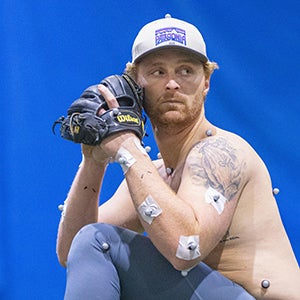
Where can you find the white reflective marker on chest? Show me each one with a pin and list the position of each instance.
(216, 199)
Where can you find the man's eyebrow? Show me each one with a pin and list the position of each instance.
(189, 60)
(154, 64)
(180, 61)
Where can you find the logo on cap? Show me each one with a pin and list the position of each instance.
(170, 34)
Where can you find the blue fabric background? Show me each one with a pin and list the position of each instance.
(51, 50)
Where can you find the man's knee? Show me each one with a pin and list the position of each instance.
(91, 238)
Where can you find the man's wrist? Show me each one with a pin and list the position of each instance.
(127, 153)
(91, 162)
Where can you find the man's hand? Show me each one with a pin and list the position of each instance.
(113, 107)
(111, 144)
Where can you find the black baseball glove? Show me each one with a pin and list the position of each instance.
(84, 125)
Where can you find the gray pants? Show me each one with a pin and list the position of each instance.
(107, 262)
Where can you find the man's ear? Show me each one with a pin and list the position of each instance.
(206, 87)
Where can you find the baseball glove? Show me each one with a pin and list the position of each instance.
(84, 125)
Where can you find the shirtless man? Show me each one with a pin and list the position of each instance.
(213, 226)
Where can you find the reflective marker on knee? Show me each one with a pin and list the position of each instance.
(188, 247)
(216, 199)
(105, 246)
(149, 209)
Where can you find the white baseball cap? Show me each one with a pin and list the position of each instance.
(168, 33)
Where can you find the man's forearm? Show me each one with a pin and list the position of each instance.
(81, 205)
(156, 201)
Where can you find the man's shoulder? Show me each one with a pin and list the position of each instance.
(225, 157)
(226, 141)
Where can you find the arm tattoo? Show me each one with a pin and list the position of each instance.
(215, 163)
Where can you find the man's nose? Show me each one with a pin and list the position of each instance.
(172, 84)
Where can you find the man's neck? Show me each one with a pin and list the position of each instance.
(175, 143)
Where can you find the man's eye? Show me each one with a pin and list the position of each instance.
(185, 72)
(157, 72)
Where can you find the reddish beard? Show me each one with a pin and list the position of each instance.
(172, 115)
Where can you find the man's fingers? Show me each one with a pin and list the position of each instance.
(108, 96)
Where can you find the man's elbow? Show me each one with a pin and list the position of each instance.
(62, 261)
(183, 265)
(187, 255)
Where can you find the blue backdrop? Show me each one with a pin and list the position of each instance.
(51, 50)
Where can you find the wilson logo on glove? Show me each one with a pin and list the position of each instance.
(129, 118)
